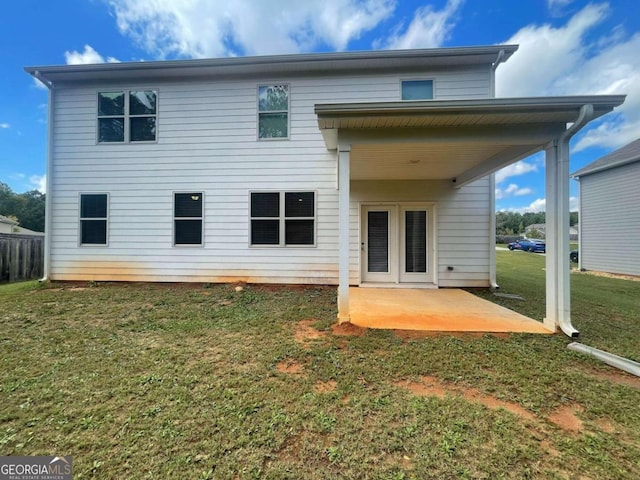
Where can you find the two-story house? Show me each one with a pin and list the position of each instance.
(357, 168)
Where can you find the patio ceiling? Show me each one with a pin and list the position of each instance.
(448, 139)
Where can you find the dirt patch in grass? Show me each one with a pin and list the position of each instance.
(290, 367)
(305, 333)
(619, 378)
(348, 329)
(565, 417)
(605, 425)
(431, 386)
(325, 387)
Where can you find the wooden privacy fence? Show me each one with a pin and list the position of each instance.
(21, 257)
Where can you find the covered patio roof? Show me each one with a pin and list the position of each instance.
(463, 141)
(457, 140)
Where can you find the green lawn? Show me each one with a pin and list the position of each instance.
(201, 381)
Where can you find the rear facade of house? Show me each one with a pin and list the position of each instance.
(222, 174)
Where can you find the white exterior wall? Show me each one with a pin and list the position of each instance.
(610, 220)
(207, 142)
(462, 225)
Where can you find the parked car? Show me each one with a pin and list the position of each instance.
(515, 245)
(573, 256)
(529, 245)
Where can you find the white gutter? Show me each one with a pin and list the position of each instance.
(492, 232)
(622, 363)
(564, 317)
(48, 214)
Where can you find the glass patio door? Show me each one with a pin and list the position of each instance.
(395, 244)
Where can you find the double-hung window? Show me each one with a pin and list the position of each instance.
(273, 111)
(417, 89)
(127, 116)
(93, 218)
(187, 218)
(283, 218)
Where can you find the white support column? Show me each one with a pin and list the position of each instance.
(558, 288)
(344, 152)
(551, 272)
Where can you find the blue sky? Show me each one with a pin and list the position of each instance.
(567, 47)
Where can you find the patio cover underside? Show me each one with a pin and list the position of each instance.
(462, 141)
(448, 139)
(442, 310)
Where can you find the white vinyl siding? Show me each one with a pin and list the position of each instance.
(208, 144)
(462, 225)
(610, 220)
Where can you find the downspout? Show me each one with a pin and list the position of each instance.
(585, 116)
(494, 66)
(492, 232)
(492, 188)
(622, 363)
(48, 213)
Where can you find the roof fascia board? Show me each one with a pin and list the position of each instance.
(325, 61)
(509, 105)
(588, 171)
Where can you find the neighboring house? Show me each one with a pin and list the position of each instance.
(362, 168)
(542, 229)
(7, 225)
(610, 212)
(537, 227)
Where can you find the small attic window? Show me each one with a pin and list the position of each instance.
(417, 90)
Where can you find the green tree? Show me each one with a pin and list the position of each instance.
(28, 208)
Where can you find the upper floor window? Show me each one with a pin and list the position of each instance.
(273, 111)
(417, 90)
(127, 116)
(93, 218)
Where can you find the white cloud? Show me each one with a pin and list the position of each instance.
(557, 7)
(201, 28)
(539, 205)
(516, 169)
(428, 29)
(512, 190)
(87, 56)
(5, 125)
(39, 182)
(568, 61)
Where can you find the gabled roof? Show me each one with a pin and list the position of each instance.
(628, 154)
(311, 63)
(7, 220)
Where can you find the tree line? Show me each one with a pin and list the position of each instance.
(513, 223)
(25, 208)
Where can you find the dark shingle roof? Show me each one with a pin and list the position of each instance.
(628, 154)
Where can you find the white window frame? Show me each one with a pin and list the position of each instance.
(287, 111)
(419, 79)
(84, 219)
(126, 116)
(282, 219)
(174, 218)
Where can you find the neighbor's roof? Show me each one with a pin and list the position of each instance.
(628, 154)
(4, 219)
(378, 60)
